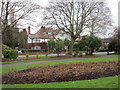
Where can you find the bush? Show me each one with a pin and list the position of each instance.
(46, 54)
(37, 55)
(5, 47)
(32, 50)
(80, 54)
(56, 46)
(10, 53)
(74, 54)
(27, 56)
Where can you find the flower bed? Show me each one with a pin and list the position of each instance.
(63, 72)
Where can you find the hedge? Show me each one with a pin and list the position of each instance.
(33, 50)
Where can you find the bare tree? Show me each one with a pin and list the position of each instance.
(99, 21)
(69, 17)
(15, 11)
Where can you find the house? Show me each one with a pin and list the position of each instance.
(105, 42)
(40, 38)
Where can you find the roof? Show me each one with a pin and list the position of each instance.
(78, 39)
(43, 33)
(106, 40)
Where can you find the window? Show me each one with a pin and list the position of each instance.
(47, 33)
(37, 47)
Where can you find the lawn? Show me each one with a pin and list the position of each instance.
(43, 59)
(108, 82)
(8, 69)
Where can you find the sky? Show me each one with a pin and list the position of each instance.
(112, 4)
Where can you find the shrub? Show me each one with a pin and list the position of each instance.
(5, 47)
(74, 54)
(10, 53)
(88, 43)
(80, 54)
(46, 54)
(32, 50)
(27, 56)
(37, 55)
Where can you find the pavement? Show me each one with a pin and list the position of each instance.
(41, 55)
(96, 53)
(28, 63)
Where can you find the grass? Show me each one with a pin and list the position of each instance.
(43, 59)
(9, 69)
(108, 82)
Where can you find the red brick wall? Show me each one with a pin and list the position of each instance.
(42, 45)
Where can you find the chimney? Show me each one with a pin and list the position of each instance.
(43, 27)
(29, 30)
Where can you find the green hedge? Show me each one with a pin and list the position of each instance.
(33, 50)
(10, 53)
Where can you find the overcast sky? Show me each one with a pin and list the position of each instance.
(112, 4)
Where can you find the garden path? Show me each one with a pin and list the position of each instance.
(27, 63)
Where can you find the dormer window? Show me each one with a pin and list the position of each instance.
(47, 33)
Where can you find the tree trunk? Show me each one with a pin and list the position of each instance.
(0, 50)
(66, 50)
(0, 40)
(108, 52)
(71, 46)
(57, 54)
(91, 53)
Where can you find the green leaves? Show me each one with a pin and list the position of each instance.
(51, 44)
(10, 53)
(66, 42)
(56, 46)
(88, 43)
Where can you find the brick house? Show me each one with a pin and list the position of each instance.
(105, 42)
(40, 38)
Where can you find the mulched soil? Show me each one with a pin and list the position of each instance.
(63, 72)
